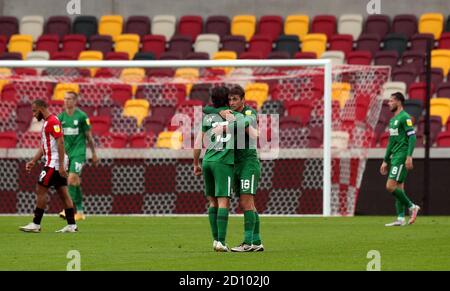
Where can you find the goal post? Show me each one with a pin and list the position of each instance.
(296, 75)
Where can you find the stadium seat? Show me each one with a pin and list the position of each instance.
(141, 140)
(341, 92)
(288, 122)
(437, 76)
(271, 26)
(207, 43)
(278, 56)
(32, 25)
(61, 89)
(368, 42)
(190, 25)
(138, 108)
(336, 57)
(154, 126)
(257, 92)
(397, 42)
(234, 43)
(118, 140)
(141, 56)
(377, 24)
(441, 59)
(359, 58)
(444, 41)
(128, 43)
(435, 127)
(218, 24)
(155, 44)
(171, 56)
(341, 42)
(8, 139)
(132, 75)
(440, 107)
(59, 25)
(139, 25)
(261, 44)
(20, 43)
(443, 139)
(305, 55)
(251, 56)
(164, 25)
(225, 55)
(386, 58)
(315, 42)
(110, 25)
(350, 24)
(273, 107)
(91, 56)
(3, 44)
(419, 42)
(181, 43)
(300, 109)
(74, 43)
(443, 89)
(100, 125)
(390, 88)
(432, 23)
(413, 60)
(170, 140)
(200, 92)
(85, 24)
(243, 25)
(414, 108)
(187, 73)
(404, 75)
(197, 56)
(288, 43)
(48, 43)
(324, 24)
(418, 91)
(161, 72)
(102, 43)
(405, 24)
(121, 93)
(5, 72)
(297, 25)
(9, 25)
(63, 56)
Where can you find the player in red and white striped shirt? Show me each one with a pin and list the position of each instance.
(55, 168)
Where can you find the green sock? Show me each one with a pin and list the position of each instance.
(212, 215)
(73, 192)
(400, 208)
(80, 199)
(249, 226)
(256, 237)
(222, 224)
(401, 195)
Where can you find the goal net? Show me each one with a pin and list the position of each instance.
(144, 120)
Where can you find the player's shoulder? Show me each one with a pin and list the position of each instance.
(53, 119)
(81, 112)
(249, 110)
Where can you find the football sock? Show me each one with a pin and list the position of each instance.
(249, 226)
(79, 203)
(70, 215)
(401, 195)
(256, 237)
(212, 215)
(73, 194)
(222, 223)
(38, 213)
(400, 208)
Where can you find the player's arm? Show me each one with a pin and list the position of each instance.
(91, 144)
(36, 158)
(197, 152)
(387, 159)
(225, 114)
(251, 125)
(409, 130)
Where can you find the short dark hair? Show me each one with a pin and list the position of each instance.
(219, 96)
(238, 90)
(40, 103)
(75, 94)
(399, 96)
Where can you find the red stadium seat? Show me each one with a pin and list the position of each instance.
(74, 43)
(48, 42)
(368, 42)
(121, 93)
(153, 125)
(181, 44)
(235, 43)
(100, 125)
(102, 43)
(377, 24)
(326, 24)
(305, 55)
(118, 140)
(404, 75)
(300, 109)
(8, 139)
(138, 25)
(155, 44)
(60, 25)
(9, 25)
(218, 24)
(251, 55)
(443, 89)
(444, 41)
(271, 26)
(3, 43)
(414, 60)
(142, 140)
(190, 25)
(443, 139)
(117, 56)
(359, 58)
(419, 42)
(341, 42)
(386, 58)
(437, 76)
(418, 91)
(261, 44)
(64, 56)
(405, 24)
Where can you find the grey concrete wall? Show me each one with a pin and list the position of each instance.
(229, 7)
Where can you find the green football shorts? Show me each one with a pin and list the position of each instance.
(246, 177)
(218, 179)
(76, 164)
(397, 170)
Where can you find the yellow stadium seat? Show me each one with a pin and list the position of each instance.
(91, 56)
(244, 25)
(21, 43)
(441, 59)
(187, 76)
(128, 43)
(137, 108)
(170, 140)
(314, 42)
(440, 107)
(5, 72)
(432, 23)
(133, 76)
(62, 88)
(341, 92)
(257, 92)
(297, 25)
(225, 55)
(111, 25)
(3, 82)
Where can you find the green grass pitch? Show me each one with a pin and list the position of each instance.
(184, 243)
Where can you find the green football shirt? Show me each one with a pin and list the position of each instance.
(400, 129)
(74, 128)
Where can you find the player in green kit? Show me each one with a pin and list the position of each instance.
(77, 131)
(402, 140)
(247, 170)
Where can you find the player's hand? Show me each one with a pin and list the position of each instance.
(409, 163)
(62, 171)
(29, 166)
(225, 113)
(197, 170)
(219, 130)
(384, 169)
(95, 159)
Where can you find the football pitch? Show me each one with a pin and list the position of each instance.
(185, 244)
